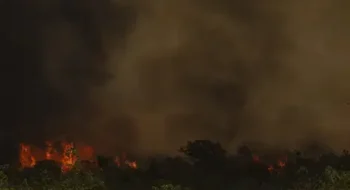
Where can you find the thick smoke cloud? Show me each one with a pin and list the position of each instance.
(146, 76)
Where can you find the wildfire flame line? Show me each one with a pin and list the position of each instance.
(67, 158)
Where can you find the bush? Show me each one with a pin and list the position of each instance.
(70, 181)
(45, 177)
(330, 179)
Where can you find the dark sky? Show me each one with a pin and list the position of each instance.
(153, 74)
(28, 97)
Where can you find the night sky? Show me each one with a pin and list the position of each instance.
(28, 98)
(153, 75)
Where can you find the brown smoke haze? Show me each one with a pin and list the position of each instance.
(148, 75)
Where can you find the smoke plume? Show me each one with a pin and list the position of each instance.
(146, 76)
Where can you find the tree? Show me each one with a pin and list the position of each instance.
(204, 150)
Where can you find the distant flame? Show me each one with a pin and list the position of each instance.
(131, 164)
(281, 164)
(270, 168)
(26, 157)
(119, 161)
(49, 151)
(68, 156)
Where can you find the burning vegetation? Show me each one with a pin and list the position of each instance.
(66, 155)
(274, 167)
(201, 159)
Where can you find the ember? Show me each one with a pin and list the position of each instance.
(281, 163)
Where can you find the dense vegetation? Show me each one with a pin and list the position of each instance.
(205, 165)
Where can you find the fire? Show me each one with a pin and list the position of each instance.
(123, 161)
(49, 151)
(132, 165)
(68, 155)
(26, 157)
(281, 163)
(270, 168)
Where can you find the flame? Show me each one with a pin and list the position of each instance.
(49, 151)
(67, 157)
(280, 164)
(270, 168)
(26, 157)
(132, 164)
(120, 161)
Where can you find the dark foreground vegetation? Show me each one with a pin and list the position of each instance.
(204, 166)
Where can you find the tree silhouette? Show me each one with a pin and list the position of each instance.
(204, 150)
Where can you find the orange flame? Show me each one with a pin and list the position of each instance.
(49, 151)
(26, 158)
(132, 165)
(68, 157)
(281, 164)
(123, 161)
(270, 168)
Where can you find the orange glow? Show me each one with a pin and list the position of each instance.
(256, 158)
(281, 164)
(270, 168)
(26, 157)
(49, 151)
(132, 165)
(120, 161)
(69, 155)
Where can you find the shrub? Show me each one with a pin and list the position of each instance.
(330, 179)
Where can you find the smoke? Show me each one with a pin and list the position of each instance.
(146, 76)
